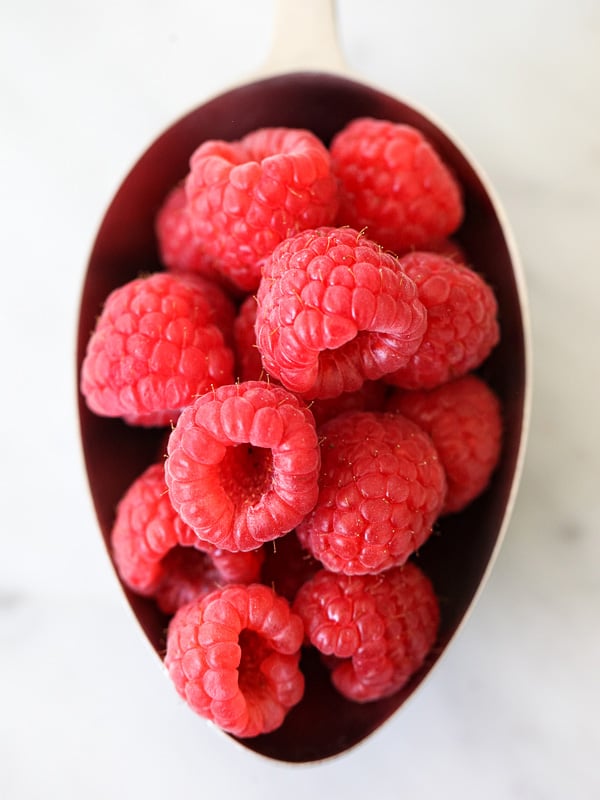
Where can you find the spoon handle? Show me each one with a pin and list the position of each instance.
(305, 38)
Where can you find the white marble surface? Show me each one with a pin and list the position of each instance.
(85, 712)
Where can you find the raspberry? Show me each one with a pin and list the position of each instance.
(464, 420)
(449, 249)
(334, 310)
(248, 360)
(287, 565)
(378, 628)
(179, 249)
(370, 397)
(462, 328)
(157, 555)
(394, 184)
(233, 656)
(243, 463)
(247, 196)
(381, 488)
(155, 347)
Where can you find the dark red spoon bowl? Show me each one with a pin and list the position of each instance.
(458, 556)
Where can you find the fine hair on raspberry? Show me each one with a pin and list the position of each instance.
(335, 310)
(245, 197)
(157, 555)
(381, 488)
(249, 365)
(464, 419)
(155, 347)
(233, 656)
(179, 249)
(462, 324)
(374, 630)
(394, 184)
(243, 464)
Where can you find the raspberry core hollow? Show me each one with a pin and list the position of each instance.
(242, 465)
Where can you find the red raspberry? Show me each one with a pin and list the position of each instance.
(248, 360)
(381, 488)
(224, 310)
(245, 197)
(157, 555)
(243, 464)
(378, 628)
(462, 328)
(155, 347)
(287, 565)
(370, 397)
(464, 420)
(394, 184)
(179, 249)
(233, 656)
(334, 310)
(449, 249)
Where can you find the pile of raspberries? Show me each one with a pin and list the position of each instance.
(310, 349)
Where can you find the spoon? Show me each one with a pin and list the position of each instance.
(306, 85)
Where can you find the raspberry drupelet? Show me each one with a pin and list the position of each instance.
(249, 365)
(464, 419)
(335, 310)
(381, 488)
(394, 185)
(287, 565)
(462, 325)
(157, 555)
(179, 249)
(374, 630)
(370, 397)
(245, 197)
(233, 657)
(243, 464)
(157, 344)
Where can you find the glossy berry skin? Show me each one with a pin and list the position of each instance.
(370, 397)
(179, 249)
(243, 464)
(157, 555)
(247, 196)
(157, 344)
(462, 324)
(287, 565)
(335, 310)
(249, 365)
(381, 488)
(394, 185)
(376, 630)
(233, 657)
(464, 420)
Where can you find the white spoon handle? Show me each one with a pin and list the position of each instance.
(305, 38)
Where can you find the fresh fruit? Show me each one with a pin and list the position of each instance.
(233, 656)
(376, 629)
(394, 184)
(335, 310)
(157, 555)
(464, 420)
(287, 565)
(370, 397)
(180, 250)
(243, 463)
(322, 408)
(245, 197)
(156, 345)
(381, 488)
(249, 365)
(462, 326)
